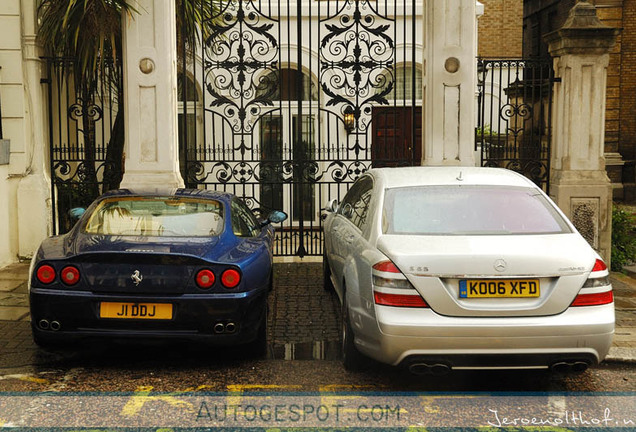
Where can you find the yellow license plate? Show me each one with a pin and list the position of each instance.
(151, 311)
(495, 288)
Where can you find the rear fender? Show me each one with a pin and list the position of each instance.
(359, 290)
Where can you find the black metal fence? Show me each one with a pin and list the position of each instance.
(287, 103)
(86, 136)
(514, 116)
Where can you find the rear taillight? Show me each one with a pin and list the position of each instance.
(593, 299)
(598, 278)
(45, 274)
(599, 266)
(70, 275)
(230, 278)
(205, 279)
(399, 300)
(386, 266)
(392, 288)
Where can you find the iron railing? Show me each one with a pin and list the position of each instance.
(85, 136)
(514, 122)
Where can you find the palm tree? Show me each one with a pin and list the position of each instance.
(89, 33)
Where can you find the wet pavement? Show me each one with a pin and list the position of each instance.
(303, 325)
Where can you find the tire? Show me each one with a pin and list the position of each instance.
(326, 274)
(258, 347)
(352, 359)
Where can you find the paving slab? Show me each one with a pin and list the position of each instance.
(8, 285)
(15, 271)
(13, 313)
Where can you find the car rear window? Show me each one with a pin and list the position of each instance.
(156, 216)
(470, 210)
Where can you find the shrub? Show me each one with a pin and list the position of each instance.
(623, 238)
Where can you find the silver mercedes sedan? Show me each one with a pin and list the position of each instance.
(441, 268)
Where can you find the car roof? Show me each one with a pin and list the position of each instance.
(437, 176)
(168, 192)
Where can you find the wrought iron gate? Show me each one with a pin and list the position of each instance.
(514, 116)
(86, 136)
(287, 103)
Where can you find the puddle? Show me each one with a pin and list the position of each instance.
(317, 350)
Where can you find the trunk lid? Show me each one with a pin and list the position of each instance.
(141, 265)
(440, 266)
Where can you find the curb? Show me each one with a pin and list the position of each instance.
(621, 355)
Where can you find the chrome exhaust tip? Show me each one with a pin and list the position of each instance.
(230, 327)
(43, 324)
(580, 366)
(219, 328)
(55, 325)
(560, 367)
(437, 369)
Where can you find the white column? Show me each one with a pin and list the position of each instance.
(33, 195)
(449, 82)
(578, 180)
(150, 92)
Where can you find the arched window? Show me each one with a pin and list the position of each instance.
(283, 85)
(402, 79)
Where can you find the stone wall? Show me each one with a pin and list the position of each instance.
(11, 98)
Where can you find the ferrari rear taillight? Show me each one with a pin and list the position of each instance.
(230, 278)
(593, 299)
(70, 275)
(45, 274)
(205, 279)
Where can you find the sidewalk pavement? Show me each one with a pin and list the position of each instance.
(14, 305)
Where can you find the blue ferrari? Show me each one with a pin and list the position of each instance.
(182, 264)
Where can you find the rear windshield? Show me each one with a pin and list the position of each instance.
(156, 216)
(469, 210)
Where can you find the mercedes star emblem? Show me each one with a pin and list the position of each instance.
(500, 265)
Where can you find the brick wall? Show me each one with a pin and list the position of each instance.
(627, 93)
(500, 28)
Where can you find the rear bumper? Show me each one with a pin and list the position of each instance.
(194, 317)
(404, 334)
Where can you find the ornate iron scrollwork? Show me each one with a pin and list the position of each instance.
(240, 63)
(357, 57)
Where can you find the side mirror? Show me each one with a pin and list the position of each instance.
(332, 206)
(276, 217)
(76, 213)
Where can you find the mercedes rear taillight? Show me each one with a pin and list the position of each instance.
(597, 289)
(392, 288)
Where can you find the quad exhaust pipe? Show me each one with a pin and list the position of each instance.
(226, 328)
(436, 369)
(572, 366)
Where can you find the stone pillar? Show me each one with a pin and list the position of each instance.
(150, 89)
(34, 188)
(449, 82)
(578, 181)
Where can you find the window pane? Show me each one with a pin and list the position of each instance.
(165, 217)
(468, 210)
